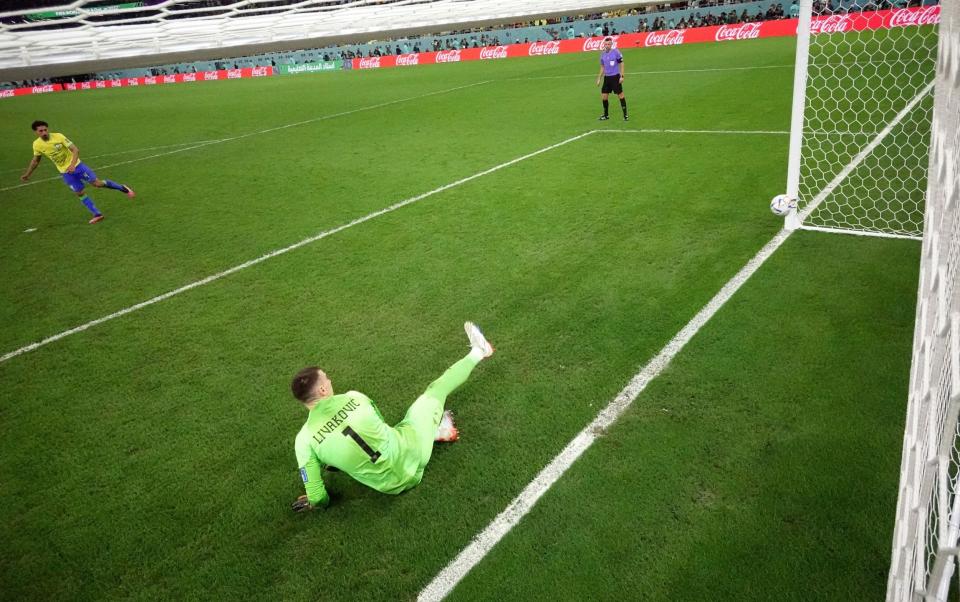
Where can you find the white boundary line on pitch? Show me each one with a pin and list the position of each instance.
(480, 546)
(287, 249)
(736, 132)
(680, 131)
(711, 70)
(306, 241)
(266, 131)
(448, 578)
(127, 152)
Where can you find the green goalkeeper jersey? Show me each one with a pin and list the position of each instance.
(348, 432)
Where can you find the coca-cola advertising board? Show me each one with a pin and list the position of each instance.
(142, 81)
(869, 20)
(9, 93)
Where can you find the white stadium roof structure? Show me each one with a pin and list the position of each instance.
(38, 40)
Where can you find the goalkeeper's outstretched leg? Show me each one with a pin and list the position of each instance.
(425, 413)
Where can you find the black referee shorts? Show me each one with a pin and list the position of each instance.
(611, 84)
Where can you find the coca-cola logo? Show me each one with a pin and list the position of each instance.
(150, 80)
(189, 77)
(169, 79)
(101, 84)
(6, 93)
(210, 75)
(116, 83)
(41, 89)
(132, 81)
(543, 48)
(85, 85)
(406, 60)
(831, 24)
(597, 43)
(372, 62)
(448, 56)
(70, 86)
(493, 52)
(670, 37)
(260, 71)
(903, 17)
(743, 31)
(234, 74)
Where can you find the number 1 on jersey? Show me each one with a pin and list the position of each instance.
(374, 455)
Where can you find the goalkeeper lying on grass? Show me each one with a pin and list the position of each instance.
(346, 432)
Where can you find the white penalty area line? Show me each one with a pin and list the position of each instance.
(203, 143)
(447, 579)
(287, 249)
(682, 131)
(734, 132)
(33, 346)
(131, 151)
(658, 72)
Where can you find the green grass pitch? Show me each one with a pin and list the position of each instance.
(151, 457)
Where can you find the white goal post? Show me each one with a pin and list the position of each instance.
(874, 150)
(860, 124)
(925, 551)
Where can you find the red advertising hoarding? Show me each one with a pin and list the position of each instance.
(143, 81)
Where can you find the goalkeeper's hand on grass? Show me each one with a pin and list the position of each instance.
(301, 505)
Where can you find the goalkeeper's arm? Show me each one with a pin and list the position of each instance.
(311, 474)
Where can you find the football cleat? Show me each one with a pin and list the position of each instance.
(626, 118)
(477, 340)
(604, 118)
(447, 431)
(95, 219)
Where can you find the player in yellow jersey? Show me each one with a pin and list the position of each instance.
(66, 156)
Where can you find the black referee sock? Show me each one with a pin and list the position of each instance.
(623, 105)
(606, 108)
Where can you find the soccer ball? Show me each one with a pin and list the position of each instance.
(781, 205)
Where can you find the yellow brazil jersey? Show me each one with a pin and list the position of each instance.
(57, 149)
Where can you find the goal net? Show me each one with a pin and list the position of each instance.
(866, 114)
(928, 509)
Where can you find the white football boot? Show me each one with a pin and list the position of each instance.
(447, 431)
(477, 340)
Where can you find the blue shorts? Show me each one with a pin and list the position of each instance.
(80, 175)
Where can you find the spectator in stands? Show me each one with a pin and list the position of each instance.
(794, 10)
(571, 33)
